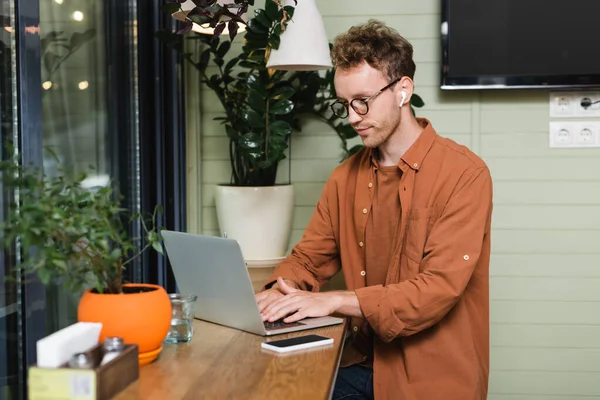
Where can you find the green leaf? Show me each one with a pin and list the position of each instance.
(223, 49)
(231, 132)
(60, 264)
(257, 55)
(200, 19)
(261, 16)
(253, 118)
(416, 101)
(256, 100)
(256, 27)
(347, 131)
(204, 60)
(274, 42)
(215, 80)
(282, 107)
(280, 128)
(255, 83)
(271, 9)
(214, 8)
(230, 64)
(282, 93)
(290, 10)
(251, 141)
(214, 44)
(277, 146)
(255, 41)
(157, 247)
(44, 275)
(250, 64)
(116, 254)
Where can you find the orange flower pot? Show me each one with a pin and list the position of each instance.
(140, 315)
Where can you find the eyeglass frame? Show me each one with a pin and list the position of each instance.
(364, 100)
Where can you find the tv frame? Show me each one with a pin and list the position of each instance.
(576, 82)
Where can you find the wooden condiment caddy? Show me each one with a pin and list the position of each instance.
(101, 383)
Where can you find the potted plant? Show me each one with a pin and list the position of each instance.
(262, 107)
(75, 236)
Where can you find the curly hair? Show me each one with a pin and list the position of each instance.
(379, 45)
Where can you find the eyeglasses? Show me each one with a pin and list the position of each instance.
(360, 106)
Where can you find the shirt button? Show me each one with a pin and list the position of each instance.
(364, 210)
(363, 273)
(466, 257)
(370, 185)
(355, 329)
(361, 244)
(415, 165)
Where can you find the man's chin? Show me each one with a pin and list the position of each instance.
(369, 142)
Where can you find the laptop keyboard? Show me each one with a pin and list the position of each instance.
(279, 324)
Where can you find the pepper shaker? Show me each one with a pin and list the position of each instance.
(113, 346)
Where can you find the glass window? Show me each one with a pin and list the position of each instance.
(10, 386)
(74, 108)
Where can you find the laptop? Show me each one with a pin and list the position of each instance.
(213, 269)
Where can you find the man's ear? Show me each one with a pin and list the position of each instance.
(406, 90)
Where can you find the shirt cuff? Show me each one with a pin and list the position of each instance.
(300, 277)
(378, 310)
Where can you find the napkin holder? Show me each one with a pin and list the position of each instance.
(100, 383)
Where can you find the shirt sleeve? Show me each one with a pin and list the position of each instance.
(452, 252)
(315, 259)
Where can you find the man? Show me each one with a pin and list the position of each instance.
(408, 220)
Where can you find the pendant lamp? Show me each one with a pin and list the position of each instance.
(304, 45)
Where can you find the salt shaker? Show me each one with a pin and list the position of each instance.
(81, 361)
(113, 346)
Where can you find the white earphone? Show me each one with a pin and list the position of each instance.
(403, 98)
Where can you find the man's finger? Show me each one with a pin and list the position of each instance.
(273, 311)
(285, 311)
(297, 316)
(261, 296)
(267, 299)
(285, 288)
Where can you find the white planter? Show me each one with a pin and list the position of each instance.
(259, 218)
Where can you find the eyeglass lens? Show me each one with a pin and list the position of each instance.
(359, 106)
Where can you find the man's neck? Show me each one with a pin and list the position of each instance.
(399, 142)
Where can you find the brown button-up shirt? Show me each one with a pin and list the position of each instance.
(431, 316)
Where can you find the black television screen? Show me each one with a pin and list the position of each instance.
(520, 44)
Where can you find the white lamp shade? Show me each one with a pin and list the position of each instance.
(204, 28)
(304, 45)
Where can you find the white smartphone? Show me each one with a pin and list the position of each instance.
(296, 343)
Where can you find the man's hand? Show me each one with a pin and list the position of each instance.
(267, 297)
(299, 304)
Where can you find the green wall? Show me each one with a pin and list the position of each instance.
(545, 285)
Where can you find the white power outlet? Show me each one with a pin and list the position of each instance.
(561, 105)
(575, 134)
(587, 104)
(574, 104)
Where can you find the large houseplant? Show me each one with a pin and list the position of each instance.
(74, 236)
(262, 107)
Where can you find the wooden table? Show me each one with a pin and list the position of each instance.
(224, 363)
